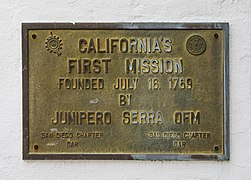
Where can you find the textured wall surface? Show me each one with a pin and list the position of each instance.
(13, 12)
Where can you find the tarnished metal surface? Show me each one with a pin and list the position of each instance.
(125, 91)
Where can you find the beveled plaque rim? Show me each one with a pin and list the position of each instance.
(120, 26)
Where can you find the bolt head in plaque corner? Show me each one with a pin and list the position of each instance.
(196, 45)
(54, 44)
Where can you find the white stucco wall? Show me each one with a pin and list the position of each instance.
(13, 12)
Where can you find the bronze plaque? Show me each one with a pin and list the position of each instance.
(146, 91)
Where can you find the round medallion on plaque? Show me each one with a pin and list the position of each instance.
(54, 44)
(196, 45)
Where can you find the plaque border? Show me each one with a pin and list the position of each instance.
(120, 26)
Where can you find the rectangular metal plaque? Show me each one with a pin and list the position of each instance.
(146, 91)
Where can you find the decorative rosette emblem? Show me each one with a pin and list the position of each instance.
(196, 45)
(54, 44)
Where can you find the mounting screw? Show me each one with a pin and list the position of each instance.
(216, 148)
(33, 36)
(216, 35)
(36, 147)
